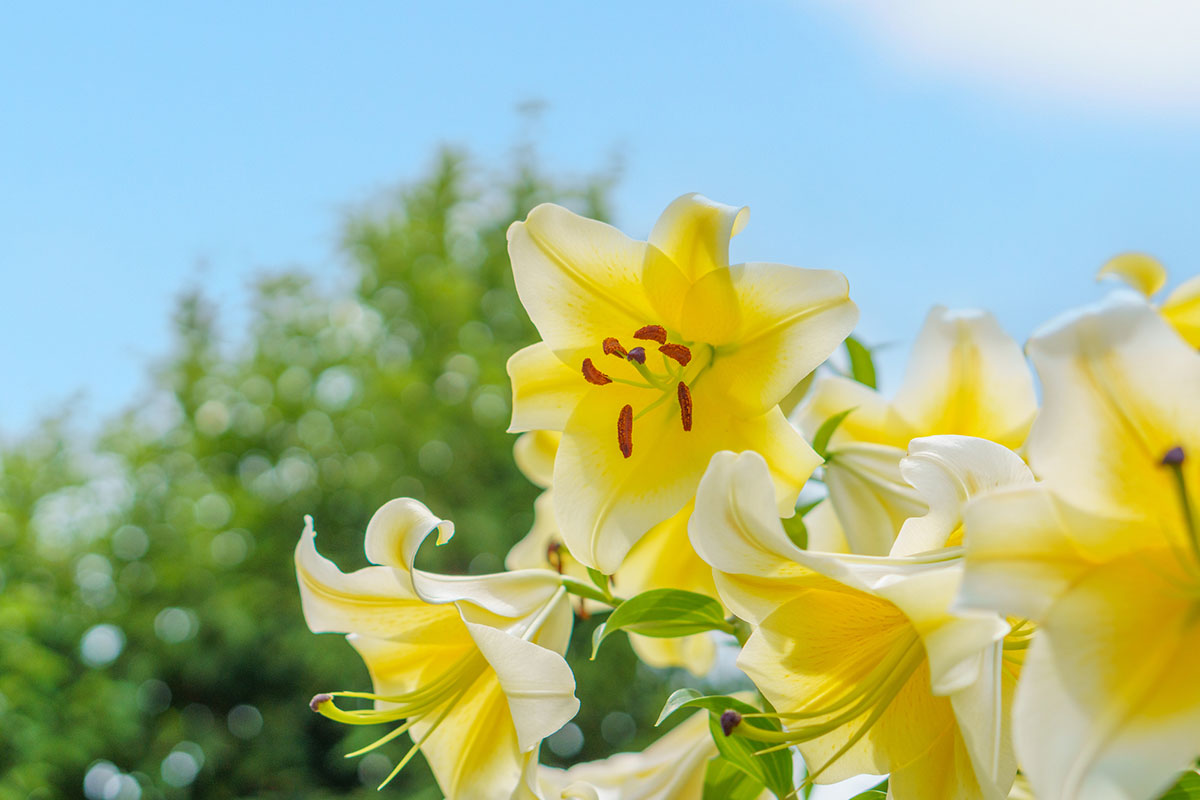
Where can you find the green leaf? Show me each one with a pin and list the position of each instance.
(794, 525)
(773, 770)
(599, 578)
(825, 432)
(877, 792)
(724, 781)
(796, 530)
(582, 589)
(664, 614)
(1188, 788)
(862, 365)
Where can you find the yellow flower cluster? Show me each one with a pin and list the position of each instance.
(990, 596)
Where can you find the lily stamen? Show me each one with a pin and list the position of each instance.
(625, 431)
(655, 333)
(1173, 459)
(685, 405)
(679, 352)
(612, 347)
(593, 375)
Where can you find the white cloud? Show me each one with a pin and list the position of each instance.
(1128, 54)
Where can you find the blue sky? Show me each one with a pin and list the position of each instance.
(146, 148)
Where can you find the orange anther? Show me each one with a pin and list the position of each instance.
(678, 352)
(593, 375)
(613, 348)
(685, 405)
(625, 431)
(655, 333)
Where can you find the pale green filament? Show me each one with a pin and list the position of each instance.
(871, 696)
(439, 696)
(1189, 516)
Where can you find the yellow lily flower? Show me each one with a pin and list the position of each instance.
(1147, 275)
(472, 665)
(671, 768)
(869, 666)
(654, 356)
(1103, 553)
(662, 559)
(965, 376)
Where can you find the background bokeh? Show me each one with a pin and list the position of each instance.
(237, 232)
(151, 641)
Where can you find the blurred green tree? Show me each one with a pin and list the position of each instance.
(151, 641)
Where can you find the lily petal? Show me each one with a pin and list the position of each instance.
(370, 601)
(1142, 271)
(394, 535)
(579, 280)
(534, 453)
(967, 376)
(871, 418)
(605, 503)
(1025, 546)
(474, 752)
(791, 320)
(536, 681)
(664, 559)
(870, 495)
(671, 768)
(694, 232)
(1182, 310)
(1109, 706)
(545, 389)
(947, 471)
(1119, 390)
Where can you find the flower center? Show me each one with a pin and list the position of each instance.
(673, 381)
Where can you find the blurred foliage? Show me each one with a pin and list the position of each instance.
(151, 641)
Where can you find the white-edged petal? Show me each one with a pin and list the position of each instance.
(538, 684)
(946, 472)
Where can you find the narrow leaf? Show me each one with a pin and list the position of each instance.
(862, 365)
(824, 433)
(1188, 788)
(599, 578)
